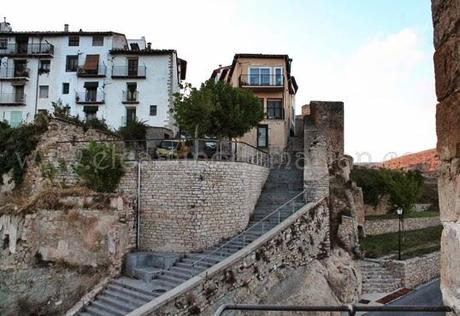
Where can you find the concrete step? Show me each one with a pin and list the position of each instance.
(167, 284)
(134, 285)
(119, 290)
(174, 278)
(120, 296)
(103, 309)
(121, 305)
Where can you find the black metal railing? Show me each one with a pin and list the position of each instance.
(348, 309)
(12, 99)
(89, 97)
(100, 71)
(260, 80)
(129, 72)
(14, 72)
(27, 49)
(130, 96)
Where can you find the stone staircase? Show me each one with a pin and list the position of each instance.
(151, 279)
(377, 279)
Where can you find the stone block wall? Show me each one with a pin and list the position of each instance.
(378, 227)
(191, 205)
(278, 268)
(324, 144)
(446, 22)
(55, 149)
(416, 271)
(49, 258)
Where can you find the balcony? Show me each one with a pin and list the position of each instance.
(90, 97)
(11, 73)
(123, 72)
(12, 99)
(130, 97)
(262, 81)
(38, 49)
(98, 72)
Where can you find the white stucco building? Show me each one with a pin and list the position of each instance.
(97, 74)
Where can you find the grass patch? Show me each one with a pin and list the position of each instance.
(415, 242)
(409, 215)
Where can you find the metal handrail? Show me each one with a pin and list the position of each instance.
(242, 234)
(349, 309)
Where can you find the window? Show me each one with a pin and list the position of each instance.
(130, 115)
(71, 63)
(45, 65)
(134, 46)
(3, 43)
(74, 40)
(15, 118)
(90, 112)
(20, 68)
(133, 64)
(131, 95)
(266, 76)
(153, 110)
(65, 88)
(43, 92)
(262, 136)
(275, 108)
(98, 40)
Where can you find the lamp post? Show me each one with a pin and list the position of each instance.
(399, 211)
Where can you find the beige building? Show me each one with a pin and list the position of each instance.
(269, 77)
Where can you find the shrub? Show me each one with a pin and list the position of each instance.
(135, 130)
(100, 167)
(63, 112)
(404, 187)
(15, 145)
(371, 182)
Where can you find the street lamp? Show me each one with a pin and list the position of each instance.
(399, 211)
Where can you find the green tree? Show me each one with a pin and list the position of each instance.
(217, 109)
(404, 187)
(100, 167)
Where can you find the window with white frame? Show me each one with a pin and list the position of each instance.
(266, 76)
(43, 92)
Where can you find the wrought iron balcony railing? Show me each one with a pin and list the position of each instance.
(14, 73)
(129, 72)
(261, 80)
(12, 99)
(130, 97)
(100, 71)
(39, 49)
(90, 97)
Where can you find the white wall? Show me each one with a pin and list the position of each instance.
(156, 89)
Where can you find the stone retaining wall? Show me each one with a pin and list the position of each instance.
(416, 271)
(378, 227)
(291, 246)
(191, 205)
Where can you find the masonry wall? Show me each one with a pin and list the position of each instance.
(446, 21)
(192, 205)
(59, 148)
(378, 227)
(50, 257)
(416, 271)
(256, 271)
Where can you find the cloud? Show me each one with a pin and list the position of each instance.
(388, 94)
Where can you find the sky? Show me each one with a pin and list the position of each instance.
(376, 56)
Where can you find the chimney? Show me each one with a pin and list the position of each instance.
(66, 27)
(149, 46)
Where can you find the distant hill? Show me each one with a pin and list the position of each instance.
(426, 161)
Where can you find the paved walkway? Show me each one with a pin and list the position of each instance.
(427, 294)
